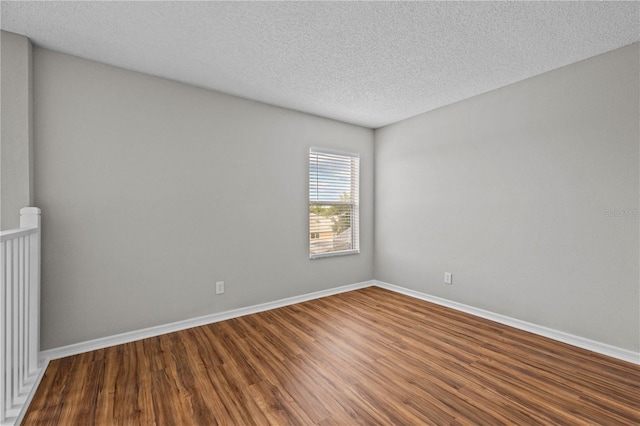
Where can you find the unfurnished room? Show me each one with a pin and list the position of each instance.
(319, 213)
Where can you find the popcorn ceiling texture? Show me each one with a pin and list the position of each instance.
(366, 63)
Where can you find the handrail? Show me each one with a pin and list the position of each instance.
(15, 233)
(20, 370)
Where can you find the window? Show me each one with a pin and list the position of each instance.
(333, 203)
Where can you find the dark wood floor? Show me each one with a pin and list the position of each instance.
(364, 357)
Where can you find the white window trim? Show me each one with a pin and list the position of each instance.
(333, 254)
(355, 226)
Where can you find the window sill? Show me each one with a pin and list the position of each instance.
(333, 254)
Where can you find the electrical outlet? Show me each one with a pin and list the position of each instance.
(220, 287)
(447, 277)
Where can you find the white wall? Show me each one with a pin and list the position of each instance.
(510, 191)
(16, 157)
(152, 191)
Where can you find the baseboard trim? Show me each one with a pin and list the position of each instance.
(104, 342)
(118, 339)
(34, 387)
(581, 342)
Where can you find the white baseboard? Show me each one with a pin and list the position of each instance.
(34, 387)
(131, 336)
(581, 342)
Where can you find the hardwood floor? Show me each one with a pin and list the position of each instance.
(364, 357)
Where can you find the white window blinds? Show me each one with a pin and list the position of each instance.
(333, 203)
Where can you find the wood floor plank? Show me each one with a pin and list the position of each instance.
(364, 357)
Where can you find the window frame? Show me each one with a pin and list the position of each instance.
(354, 202)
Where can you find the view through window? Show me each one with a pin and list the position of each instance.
(333, 203)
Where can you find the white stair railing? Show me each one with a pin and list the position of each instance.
(19, 314)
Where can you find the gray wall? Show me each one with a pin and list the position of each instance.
(151, 191)
(528, 195)
(16, 171)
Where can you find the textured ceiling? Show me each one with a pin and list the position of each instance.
(367, 63)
